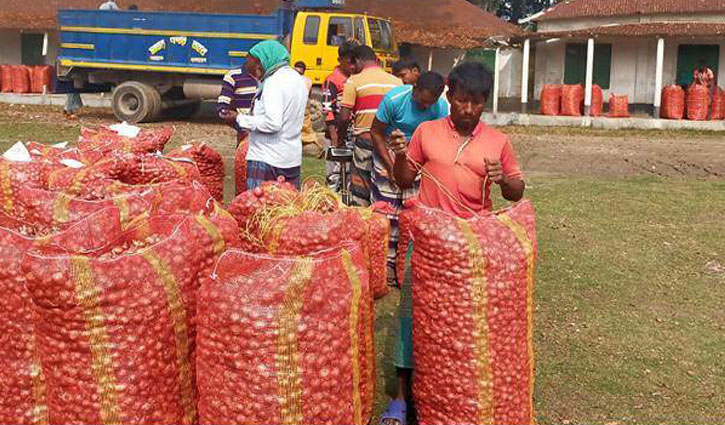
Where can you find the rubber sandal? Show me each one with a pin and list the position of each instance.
(397, 411)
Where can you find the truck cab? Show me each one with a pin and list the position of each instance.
(318, 34)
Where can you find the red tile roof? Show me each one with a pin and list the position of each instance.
(433, 23)
(605, 8)
(641, 30)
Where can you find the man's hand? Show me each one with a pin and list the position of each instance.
(229, 116)
(495, 171)
(398, 144)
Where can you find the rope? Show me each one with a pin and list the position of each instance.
(427, 174)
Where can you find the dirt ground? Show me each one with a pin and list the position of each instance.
(542, 151)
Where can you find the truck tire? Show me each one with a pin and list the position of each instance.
(136, 102)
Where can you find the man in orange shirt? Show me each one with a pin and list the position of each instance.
(458, 158)
(363, 93)
(704, 76)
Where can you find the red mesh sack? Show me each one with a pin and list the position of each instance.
(472, 316)
(240, 166)
(41, 79)
(245, 206)
(117, 331)
(280, 340)
(210, 165)
(572, 100)
(6, 78)
(618, 106)
(673, 103)
(14, 177)
(22, 378)
(551, 100)
(698, 100)
(375, 241)
(148, 140)
(597, 108)
(20, 79)
(718, 105)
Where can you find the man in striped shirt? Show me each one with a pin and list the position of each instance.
(238, 90)
(362, 95)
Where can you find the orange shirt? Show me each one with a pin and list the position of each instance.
(435, 146)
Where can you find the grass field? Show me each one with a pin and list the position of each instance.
(630, 325)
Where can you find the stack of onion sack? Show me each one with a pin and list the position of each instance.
(572, 100)
(718, 105)
(597, 107)
(618, 106)
(279, 339)
(551, 100)
(472, 316)
(128, 168)
(210, 165)
(116, 329)
(23, 400)
(277, 219)
(673, 103)
(6, 78)
(698, 100)
(148, 140)
(240, 166)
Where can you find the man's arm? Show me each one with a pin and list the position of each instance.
(377, 131)
(273, 118)
(403, 173)
(343, 121)
(349, 97)
(224, 100)
(506, 173)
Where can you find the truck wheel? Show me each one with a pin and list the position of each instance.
(155, 111)
(135, 102)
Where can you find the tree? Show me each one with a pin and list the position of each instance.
(488, 5)
(513, 10)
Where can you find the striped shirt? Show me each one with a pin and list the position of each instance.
(238, 90)
(364, 92)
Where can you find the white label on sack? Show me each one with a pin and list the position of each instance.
(72, 163)
(185, 148)
(17, 153)
(61, 145)
(36, 152)
(125, 129)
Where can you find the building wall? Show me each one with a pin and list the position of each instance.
(10, 51)
(633, 65)
(444, 60)
(583, 23)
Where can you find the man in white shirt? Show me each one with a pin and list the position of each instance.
(109, 5)
(275, 125)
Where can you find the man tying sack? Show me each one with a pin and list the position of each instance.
(458, 159)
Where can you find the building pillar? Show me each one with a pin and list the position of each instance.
(430, 60)
(525, 77)
(496, 78)
(658, 76)
(589, 78)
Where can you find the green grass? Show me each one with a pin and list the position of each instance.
(630, 325)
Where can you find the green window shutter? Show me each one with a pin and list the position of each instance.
(575, 66)
(689, 56)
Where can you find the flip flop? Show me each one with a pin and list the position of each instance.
(397, 411)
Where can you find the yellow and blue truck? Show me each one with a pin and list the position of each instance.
(168, 62)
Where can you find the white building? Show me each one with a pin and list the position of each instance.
(631, 47)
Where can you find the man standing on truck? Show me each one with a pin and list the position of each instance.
(275, 125)
(238, 91)
(109, 5)
(363, 93)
